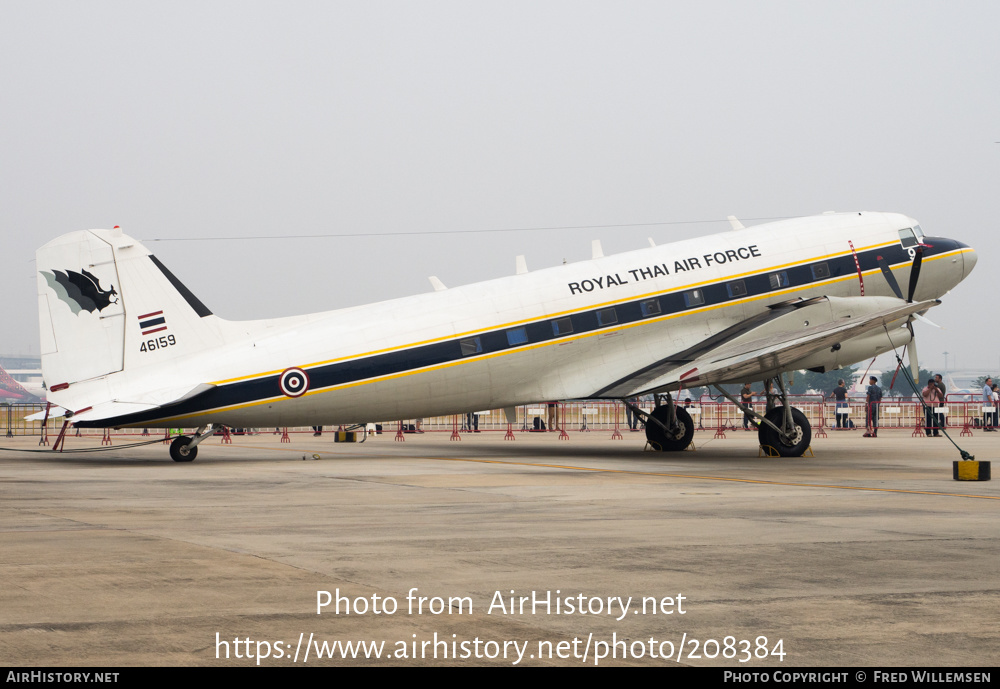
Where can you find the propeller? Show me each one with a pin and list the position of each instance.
(889, 277)
(912, 355)
(918, 258)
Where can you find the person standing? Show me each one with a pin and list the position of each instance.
(873, 397)
(631, 418)
(996, 403)
(942, 422)
(932, 399)
(746, 398)
(840, 394)
(988, 402)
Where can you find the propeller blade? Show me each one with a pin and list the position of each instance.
(914, 364)
(928, 321)
(918, 257)
(889, 277)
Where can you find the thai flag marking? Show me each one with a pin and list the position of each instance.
(152, 323)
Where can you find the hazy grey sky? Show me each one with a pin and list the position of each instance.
(183, 120)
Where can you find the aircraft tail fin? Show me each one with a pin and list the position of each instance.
(12, 389)
(107, 305)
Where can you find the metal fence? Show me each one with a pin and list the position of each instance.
(959, 411)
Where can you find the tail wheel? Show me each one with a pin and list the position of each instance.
(179, 452)
(786, 447)
(675, 440)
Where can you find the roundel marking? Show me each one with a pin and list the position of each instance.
(293, 382)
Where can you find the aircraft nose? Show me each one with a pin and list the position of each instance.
(969, 259)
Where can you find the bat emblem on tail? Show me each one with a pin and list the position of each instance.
(81, 291)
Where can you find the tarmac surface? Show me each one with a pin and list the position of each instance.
(868, 554)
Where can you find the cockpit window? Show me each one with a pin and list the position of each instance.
(907, 237)
(917, 231)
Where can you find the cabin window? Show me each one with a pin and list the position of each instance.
(517, 336)
(737, 289)
(562, 326)
(908, 238)
(778, 279)
(820, 271)
(695, 297)
(650, 307)
(471, 346)
(607, 317)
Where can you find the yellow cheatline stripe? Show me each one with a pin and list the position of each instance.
(595, 470)
(547, 343)
(557, 314)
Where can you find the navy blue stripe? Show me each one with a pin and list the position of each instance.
(150, 323)
(378, 365)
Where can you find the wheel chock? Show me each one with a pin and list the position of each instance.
(970, 470)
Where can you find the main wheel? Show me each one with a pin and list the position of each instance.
(674, 441)
(180, 453)
(786, 447)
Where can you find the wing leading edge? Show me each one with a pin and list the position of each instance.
(769, 343)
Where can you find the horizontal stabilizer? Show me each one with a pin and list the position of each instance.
(156, 399)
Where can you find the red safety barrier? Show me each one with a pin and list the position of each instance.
(918, 428)
(720, 431)
(44, 437)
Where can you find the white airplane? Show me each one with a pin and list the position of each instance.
(125, 344)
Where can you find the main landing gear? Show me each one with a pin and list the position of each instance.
(669, 428)
(790, 439)
(185, 449)
(782, 427)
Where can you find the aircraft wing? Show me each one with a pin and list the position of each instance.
(768, 343)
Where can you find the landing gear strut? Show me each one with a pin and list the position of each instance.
(783, 427)
(185, 449)
(669, 428)
(790, 443)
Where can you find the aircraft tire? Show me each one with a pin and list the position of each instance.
(179, 455)
(768, 436)
(662, 441)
